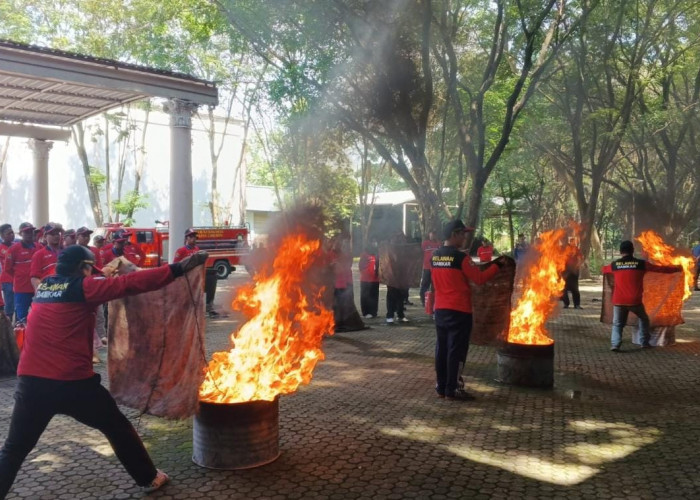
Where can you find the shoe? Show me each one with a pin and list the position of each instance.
(390, 320)
(157, 483)
(615, 349)
(105, 341)
(96, 359)
(213, 314)
(566, 307)
(368, 316)
(460, 395)
(578, 307)
(404, 320)
(409, 303)
(647, 345)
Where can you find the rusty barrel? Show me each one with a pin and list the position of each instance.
(526, 365)
(236, 436)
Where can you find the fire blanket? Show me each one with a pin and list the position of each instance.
(400, 265)
(663, 299)
(156, 348)
(491, 303)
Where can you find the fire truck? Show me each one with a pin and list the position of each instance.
(227, 245)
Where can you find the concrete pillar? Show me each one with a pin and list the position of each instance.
(40, 194)
(180, 171)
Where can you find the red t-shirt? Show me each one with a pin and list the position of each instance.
(18, 263)
(428, 247)
(43, 263)
(4, 277)
(131, 252)
(183, 252)
(485, 253)
(628, 273)
(58, 337)
(450, 273)
(368, 266)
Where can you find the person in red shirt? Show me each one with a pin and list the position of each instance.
(55, 373)
(7, 239)
(69, 238)
(628, 289)
(18, 262)
(44, 259)
(190, 246)
(120, 247)
(452, 270)
(485, 251)
(369, 281)
(428, 246)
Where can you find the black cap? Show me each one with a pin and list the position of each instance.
(26, 226)
(83, 230)
(190, 232)
(70, 260)
(627, 247)
(121, 235)
(452, 226)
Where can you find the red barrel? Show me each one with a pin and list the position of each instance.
(429, 302)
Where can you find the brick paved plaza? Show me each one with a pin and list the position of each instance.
(369, 425)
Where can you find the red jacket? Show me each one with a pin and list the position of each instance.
(485, 253)
(18, 263)
(43, 263)
(131, 252)
(5, 277)
(369, 268)
(428, 247)
(628, 273)
(58, 337)
(451, 272)
(183, 252)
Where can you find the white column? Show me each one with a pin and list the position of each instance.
(40, 194)
(180, 170)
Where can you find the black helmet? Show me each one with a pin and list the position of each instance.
(72, 258)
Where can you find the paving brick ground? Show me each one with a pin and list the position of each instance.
(615, 426)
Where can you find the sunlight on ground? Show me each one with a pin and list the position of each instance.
(604, 442)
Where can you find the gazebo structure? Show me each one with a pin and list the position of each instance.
(44, 91)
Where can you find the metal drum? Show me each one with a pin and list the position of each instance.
(236, 436)
(526, 365)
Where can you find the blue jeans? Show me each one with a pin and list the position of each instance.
(453, 331)
(23, 302)
(620, 320)
(8, 295)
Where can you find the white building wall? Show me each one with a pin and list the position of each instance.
(68, 197)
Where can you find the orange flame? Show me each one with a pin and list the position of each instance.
(662, 254)
(277, 349)
(541, 289)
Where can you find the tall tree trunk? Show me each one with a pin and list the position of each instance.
(78, 135)
(140, 151)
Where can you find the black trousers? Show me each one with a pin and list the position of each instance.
(425, 282)
(210, 280)
(394, 302)
(369, 297)
(571, 286)
(37, 400)
(453, 331)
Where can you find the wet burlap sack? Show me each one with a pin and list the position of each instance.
(491, 303)
(662, 299)
(400, 265)
(156, 348)
(9, 352)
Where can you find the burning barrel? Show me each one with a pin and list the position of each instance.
(528, 365)
(236, 435)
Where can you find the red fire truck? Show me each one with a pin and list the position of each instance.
(226, 245)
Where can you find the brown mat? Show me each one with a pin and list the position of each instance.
(9, 353)
(400, 265)
(156, 348)
(491, 303)
(663, 299)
